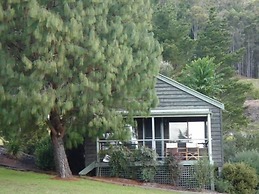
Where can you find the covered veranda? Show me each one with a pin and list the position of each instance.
(184, 134)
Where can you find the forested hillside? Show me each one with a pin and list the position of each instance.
(206, 44)
(192, 26)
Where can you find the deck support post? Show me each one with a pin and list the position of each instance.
(153, 134)
(143, 132)
(209, 138)
(210, 150)
(97, 155)
(162, 137)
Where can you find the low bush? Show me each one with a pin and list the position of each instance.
(250, 157)
(125, 162)
(119, 160)
(242, 177)
(223, 186)
(146, 157)
(44, 154)
(31, 139)
(148, 173)
(241, 142)
(172, 164)
(203, 173)
(14, 146)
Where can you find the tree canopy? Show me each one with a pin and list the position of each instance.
(73, 65)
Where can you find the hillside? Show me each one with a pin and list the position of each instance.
(252, 103)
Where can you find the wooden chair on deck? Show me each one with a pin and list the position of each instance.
(171, 149)
(192, 150)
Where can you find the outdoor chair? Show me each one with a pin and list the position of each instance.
(192, 150)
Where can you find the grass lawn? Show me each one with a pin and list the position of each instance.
(12, 182)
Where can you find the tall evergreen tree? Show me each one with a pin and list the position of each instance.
(215, 40)
(172, 32)
(73, 65)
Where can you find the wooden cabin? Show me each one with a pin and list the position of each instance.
(185, 122)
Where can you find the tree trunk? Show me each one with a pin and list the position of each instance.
(60, 157)
(195, 31)
(57, 134)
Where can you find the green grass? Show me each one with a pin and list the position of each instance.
(28, 182)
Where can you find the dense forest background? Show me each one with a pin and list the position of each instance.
(188, 25)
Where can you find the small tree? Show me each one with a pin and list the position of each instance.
(202, 75)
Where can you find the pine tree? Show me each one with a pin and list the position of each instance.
(215, 40)
(73, 65)
(172, 32)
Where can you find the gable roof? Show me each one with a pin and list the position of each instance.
(190, 91)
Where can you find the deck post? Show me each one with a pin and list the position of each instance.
(209, 139)
(97, 155)
(153, 134)
(162, 137)
(210, 151)
(143, 132)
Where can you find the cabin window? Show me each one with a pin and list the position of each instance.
(192, 131)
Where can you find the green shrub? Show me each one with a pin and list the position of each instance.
(31, 139)
(146, 157)
(172, 164)
(242, 177)
(14, 146)
(148, 174)
(250, 157)
(239, 142)
(223, 186)
(230, 148)
(119, 160)
(203, 173)
(126, 163)
(44, 154)
(23, 139)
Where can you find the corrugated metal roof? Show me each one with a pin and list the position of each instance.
(190, 91)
